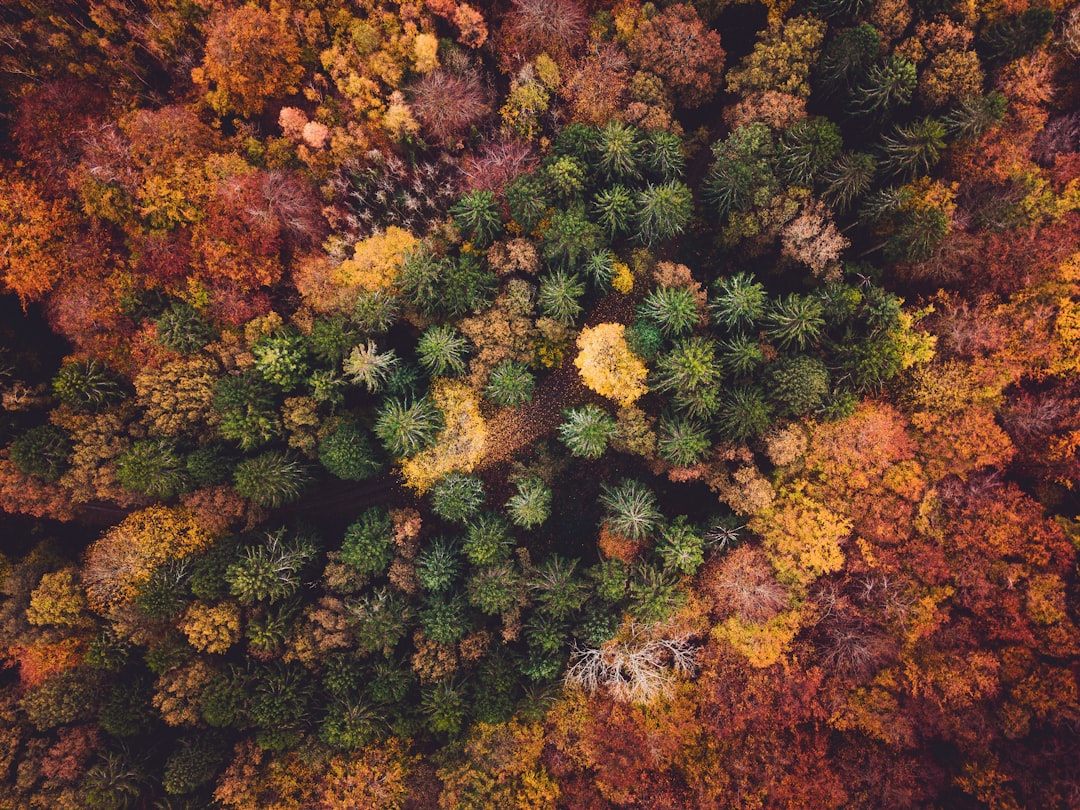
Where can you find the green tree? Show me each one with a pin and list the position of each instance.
(795, 321)
(152, 467)
(86, 385)
(1009, 39)
(444, 619)
(347, 453)
(806, 149)
(271, 570)
(586, 431)
(495, 589)
(375, 311)
(272, 479)
(281, 360)
(350, 724)
(444, 707)
(798, 385)
(487, 540)
(630, 509)
(531, 504)
(744, 413)
(526, 197)
(510, 384)
(681, 547)
(849, 177)
(739, 302)
(848, 56)
(915, 148)
(570, 237)
(885, 87)
(369, 542)
(477, 213)
(559, 296)
(181, 328)
(565, 177)
(654, 594)
(369, 367)
(741, 355)
(208, 465)
(445, 286)
(673, 310)
(614, 208)
(743, 170)
(192, 764)
(663, 156)
(682, 441)
(457, 496)
(113, 782)
(280, 701)
(381, 618)
(557, 589)
(690, 372)
(438, 565)
(248, 409)
(406, 429)
(442, 350)
(42, 451)
(975, 115)
(663, 212)
(64, 697)
(620, 152)
(610, 580)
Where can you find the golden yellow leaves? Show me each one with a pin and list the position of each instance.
(126, 556)
(607, 365)
(460, 445)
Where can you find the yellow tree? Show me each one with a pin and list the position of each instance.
(375, 265)
(459, 447)
(126, 556)
(501, 768)
(802, 536)
(607, 365)
(212, 628)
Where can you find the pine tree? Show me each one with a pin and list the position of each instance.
(441, 351)
(406, 429)
(631, 509)
(587, 430)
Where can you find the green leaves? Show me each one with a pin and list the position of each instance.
(368, 543)
(586, 431)
(477, 214)
(631, 509)
(272, 479)
(441, 351)
(407, 428)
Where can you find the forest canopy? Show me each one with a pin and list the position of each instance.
(539, 403)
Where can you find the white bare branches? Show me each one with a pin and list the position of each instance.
(637, 666)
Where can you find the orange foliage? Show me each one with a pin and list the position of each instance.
(373, 778)
(129, 552)
(35, 234)
(22, 494)
(250, 57)
(37, 662)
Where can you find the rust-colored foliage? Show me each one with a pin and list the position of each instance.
(250, 57)
(678, 47)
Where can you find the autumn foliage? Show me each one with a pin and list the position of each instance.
(539, 404)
